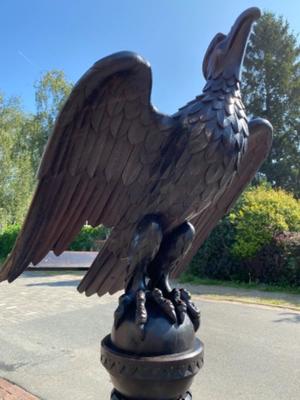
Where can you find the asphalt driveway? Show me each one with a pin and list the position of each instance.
(50, 343)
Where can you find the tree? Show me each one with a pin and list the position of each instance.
(22, 140)
(51, 92)
(271, 87)
(16, 175)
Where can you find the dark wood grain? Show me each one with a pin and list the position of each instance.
(113, 158)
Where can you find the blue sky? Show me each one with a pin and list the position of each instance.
(39, 35)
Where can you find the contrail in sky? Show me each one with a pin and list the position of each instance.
(26, 59)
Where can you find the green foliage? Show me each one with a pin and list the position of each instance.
(214, 259)
(252, 243)
(89, 238)
(261, 215)
(277, 263)
(271, 89)
(22, 140)
(16, 175)
(290, 243)
(265, 287)
(7, 239)
(51, 91)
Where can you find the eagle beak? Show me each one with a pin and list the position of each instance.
(236, 41)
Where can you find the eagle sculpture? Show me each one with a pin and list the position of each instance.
(160, 182)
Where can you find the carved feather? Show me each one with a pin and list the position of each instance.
(113, 158)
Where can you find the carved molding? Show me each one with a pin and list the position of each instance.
(115, 395)
(179, 366)
(180, 370)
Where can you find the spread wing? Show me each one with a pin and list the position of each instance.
(259, 144)
(96, 157)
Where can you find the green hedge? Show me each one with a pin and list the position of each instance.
(278, 262)
(253, 243)
(7, 239)
(260, 216)
(214, 259)
(88, 239)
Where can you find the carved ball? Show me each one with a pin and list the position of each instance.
(159, 337)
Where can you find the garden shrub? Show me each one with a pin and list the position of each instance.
(291, 256)
(262, 214)
(88, 239)
(7, 239)
(278, 262)
(214, 259)
(253, 244)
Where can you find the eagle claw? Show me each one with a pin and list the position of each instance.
(141, 312)
(191, 309)
(165, 304)
(125, 301)
(175, 305)
(180, 305)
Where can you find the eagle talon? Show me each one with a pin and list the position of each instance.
(192, 310)
(179, 304)
(165, 304)
(124, 301)
(141, 315)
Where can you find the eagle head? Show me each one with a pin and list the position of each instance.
(225, 53)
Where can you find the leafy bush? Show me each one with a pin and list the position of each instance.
(278, 262)
(291, 245)
(252, 244)
(262, 214)
(214, 259)
(88, 239)
(7, 239)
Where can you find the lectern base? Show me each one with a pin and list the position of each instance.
(165, 377)
(117, 396)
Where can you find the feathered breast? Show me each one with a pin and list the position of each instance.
(217, 121)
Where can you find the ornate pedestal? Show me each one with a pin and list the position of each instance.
(117, 396)
(158, 363)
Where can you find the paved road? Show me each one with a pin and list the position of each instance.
(49, 343)
(67, 260)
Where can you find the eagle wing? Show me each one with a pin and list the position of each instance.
(95, 160)
(110, 271)
(259, 144)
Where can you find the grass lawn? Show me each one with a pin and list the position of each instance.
(187, 278)
(251, 293)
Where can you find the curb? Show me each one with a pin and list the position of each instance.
(10, 391)
(245, 302)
